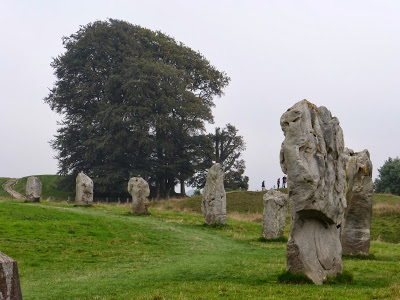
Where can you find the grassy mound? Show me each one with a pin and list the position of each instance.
(49, 188)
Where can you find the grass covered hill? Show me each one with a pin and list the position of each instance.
(3, 180)
(242, 205)
(49, 188)
(103, 252)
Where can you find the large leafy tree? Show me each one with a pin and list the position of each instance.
(229, 146)
(134, 101)
(227, 150)
(388, 180)
(235, 178)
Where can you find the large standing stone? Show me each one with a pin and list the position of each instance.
(33, 189)
(312, 157)
(213, 205)
(359, 189)
(10, 288)
(274, 216)
(139, 189)
(84, 190)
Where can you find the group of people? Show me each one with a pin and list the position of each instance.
(278, 183)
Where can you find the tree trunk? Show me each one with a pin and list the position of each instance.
(164, 187)
(157, 190)
(217, 136)
(183, 188)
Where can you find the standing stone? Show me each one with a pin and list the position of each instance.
(139, 189)
(10, 288)
(214, 196)
(312, 156)
(274, 216)
(359, 189)
(33, 189)
(84, 190)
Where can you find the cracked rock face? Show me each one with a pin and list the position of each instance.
(213, 205)
(33, 189)
(10, 288)
(359, 190)
(312, 156)
(274, 215)
(84, 190)
(139, 189)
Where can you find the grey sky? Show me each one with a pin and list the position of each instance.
(340, 54)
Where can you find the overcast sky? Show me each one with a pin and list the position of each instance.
(344, 55)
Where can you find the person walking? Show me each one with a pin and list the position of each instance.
(278, 182)
(263, 185)
(284, 178)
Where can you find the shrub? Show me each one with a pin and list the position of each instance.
(290, 278)
(345, 277)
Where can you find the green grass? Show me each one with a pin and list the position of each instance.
(290, 278)
(103, 252)
(386, 228)
(49, 188)
(3, 193)
(385, 224)
(345, 277)
(386, 198)
(247, 201)
(237, 201)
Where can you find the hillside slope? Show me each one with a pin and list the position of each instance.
(3, 180)
(49, 188)
(247, 206)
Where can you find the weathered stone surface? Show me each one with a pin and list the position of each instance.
(139, 189)
(84, 190)
(274, 216)
(10, 288)
(33, 189)
(213, 205)
(312, 156)
(359, 190)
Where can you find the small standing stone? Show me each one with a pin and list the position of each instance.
(274, 216)
(359, 190)
(84, 190)
(33, 189)
(10, 288)
(214, 196)
(139, 189)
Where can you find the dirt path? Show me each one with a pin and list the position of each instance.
(7, 187)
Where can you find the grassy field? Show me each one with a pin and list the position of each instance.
(103, 252)
(248, 206)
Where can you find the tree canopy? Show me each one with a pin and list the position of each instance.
(388, 180)
(227, 148)
(134, 103)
